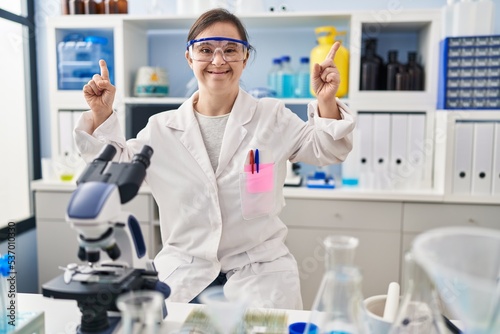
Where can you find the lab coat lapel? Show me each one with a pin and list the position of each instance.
(243, 110)
(191, 138)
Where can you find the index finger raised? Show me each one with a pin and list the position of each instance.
(333, 51)
(104, 69)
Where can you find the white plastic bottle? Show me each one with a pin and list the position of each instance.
(285, 79)
(303, 79)
(447, 19)
(471, 18)
(272, 75)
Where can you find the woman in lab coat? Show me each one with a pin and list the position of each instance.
(218, 211)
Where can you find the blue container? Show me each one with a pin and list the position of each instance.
(469, 73)
(78, 61)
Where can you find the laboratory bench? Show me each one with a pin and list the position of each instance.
(63, 316)
(385, 221)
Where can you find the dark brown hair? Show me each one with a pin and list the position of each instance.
(217, 15)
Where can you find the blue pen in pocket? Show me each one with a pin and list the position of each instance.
(257, 159)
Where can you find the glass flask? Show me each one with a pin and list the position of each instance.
(338, 307)
(419, 309)
(141, 311)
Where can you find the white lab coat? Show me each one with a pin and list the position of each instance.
(208, 223)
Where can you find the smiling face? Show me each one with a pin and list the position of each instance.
(218, 75)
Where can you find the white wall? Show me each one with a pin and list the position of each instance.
(48, 8)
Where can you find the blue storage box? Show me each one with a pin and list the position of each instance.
(78, 60)
(469, 73)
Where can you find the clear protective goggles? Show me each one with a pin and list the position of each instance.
(204, 49)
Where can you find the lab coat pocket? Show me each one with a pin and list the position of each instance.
(257, 191)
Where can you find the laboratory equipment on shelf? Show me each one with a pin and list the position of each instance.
(395, 74)
(151, 82)
(285, 86)
(293, 177)
(303, 79)
(372, 76)
(94, 211)
(464, 265)
(78, 59)
(338, 307)
(415, 72)
(272, 75)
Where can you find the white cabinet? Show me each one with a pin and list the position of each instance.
(420, 217)
(57, 242)
(376, 224)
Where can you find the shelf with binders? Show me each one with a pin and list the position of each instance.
(469, 155)
(393, 149)
(402, 31)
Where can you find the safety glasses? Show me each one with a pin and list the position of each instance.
(204, 49)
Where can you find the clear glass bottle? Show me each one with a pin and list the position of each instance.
(285, 78)
(272, 75)
(303, 79)
(419, 308)
(338, 307)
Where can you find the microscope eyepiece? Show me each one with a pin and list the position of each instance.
(144, 156)
(107, 153)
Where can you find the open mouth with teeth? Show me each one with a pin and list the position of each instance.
(218, 72)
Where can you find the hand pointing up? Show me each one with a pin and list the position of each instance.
(325, 76)
(325, 81)
(100, 94)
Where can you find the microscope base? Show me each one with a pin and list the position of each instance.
(95, 299)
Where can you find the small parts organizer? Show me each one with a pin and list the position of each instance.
(470, 73)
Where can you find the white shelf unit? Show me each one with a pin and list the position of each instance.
(421, 29)
(160, 41)
(58, 27)
(446, 122)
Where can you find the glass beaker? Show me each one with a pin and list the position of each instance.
(338, 307)
(419, 309)
(464, 265)
(226, 315)
(141, 311)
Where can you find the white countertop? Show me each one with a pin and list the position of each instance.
(63, 316)
(345, 193)
(294, 192)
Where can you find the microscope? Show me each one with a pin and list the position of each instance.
(94, 211)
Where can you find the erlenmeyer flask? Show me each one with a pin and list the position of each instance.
(338, 307)
(419, 309)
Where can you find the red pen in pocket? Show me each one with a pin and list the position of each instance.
(251, 160)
